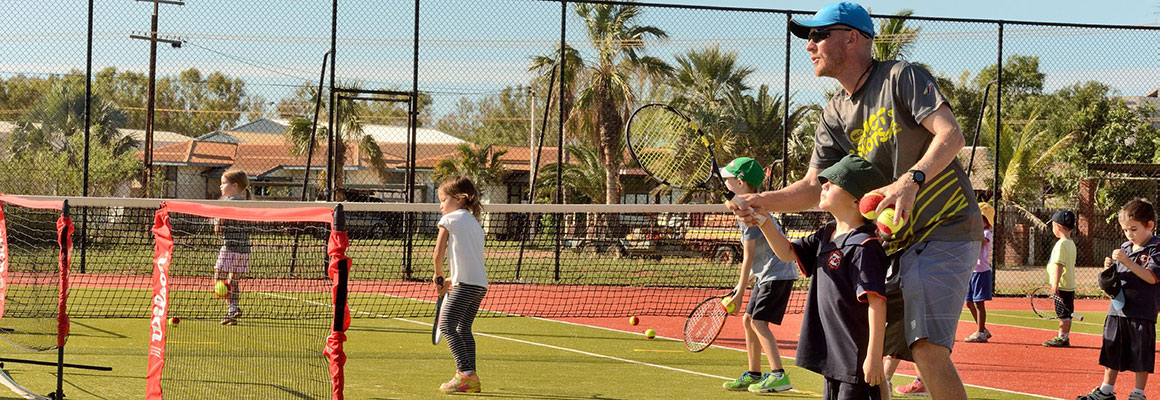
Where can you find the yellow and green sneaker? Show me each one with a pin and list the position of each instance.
(772, 382)
(741, 383)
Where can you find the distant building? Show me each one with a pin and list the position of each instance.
(1151, 99)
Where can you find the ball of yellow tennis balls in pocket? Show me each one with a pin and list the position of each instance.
(728, 303)
(633, 320)
(650, 333)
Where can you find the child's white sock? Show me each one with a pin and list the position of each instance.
(468, 372)
(1107, 389)
(1063, 335)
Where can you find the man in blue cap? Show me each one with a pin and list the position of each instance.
(892, 114)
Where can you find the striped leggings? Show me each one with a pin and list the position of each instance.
(455, 321)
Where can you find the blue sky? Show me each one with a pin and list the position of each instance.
(1118, 12)
(471, 49)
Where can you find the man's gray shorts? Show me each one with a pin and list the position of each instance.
(932, 281)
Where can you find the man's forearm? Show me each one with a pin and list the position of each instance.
(948, 140)
(798, 196)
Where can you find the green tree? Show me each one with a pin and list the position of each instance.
(606, 95)
(481, 164)
(894, 38)
(349, 131)
(759, 124)
(704, 78)
(583, 177)
(191, 103)
(1025, 157)
(45, 153)
(503, 118)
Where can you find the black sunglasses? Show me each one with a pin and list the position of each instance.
(822, 34)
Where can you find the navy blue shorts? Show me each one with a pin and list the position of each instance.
(769, 301)
(981, 287)
(1129, 344)
(1064, 311)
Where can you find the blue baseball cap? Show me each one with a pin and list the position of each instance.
(845, 13)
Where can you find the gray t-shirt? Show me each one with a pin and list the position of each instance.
(766, 266)
(882, 122)
(234, 235)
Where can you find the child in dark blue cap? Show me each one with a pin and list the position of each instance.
(845, 317)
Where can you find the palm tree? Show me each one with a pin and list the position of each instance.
(480, 164)
(606, 95)
(705, 77)
(583, 177)
(758, 122)
(350, 133)
(1025, 156)
(546, 65)
(895, 39)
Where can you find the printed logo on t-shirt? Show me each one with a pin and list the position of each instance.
(876, 130)
(835, 259)
(1143, 259)
(929, 86)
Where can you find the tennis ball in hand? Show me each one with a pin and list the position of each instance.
(728, 303)
(221, 289)
(633, 320)
(868, 206)
(174, 320)
(886, 223)
(650, 333)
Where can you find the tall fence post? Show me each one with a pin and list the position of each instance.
(560, 142)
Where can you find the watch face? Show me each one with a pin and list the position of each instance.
(918, 176)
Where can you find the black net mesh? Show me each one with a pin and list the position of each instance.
(262, 338)
(32, 281)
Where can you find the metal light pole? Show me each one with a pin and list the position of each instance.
(149, 106)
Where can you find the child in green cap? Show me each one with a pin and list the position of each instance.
(770, 296)
(845, 317)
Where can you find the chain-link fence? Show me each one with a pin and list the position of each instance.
(415, 91)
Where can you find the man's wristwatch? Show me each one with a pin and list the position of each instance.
(917, 176)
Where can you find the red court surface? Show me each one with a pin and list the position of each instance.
(1013, 360)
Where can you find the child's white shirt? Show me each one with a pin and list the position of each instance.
(464, 248)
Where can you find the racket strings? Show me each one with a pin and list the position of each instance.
(669, 147)
(704, 324)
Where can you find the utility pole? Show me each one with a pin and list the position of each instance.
(152, 94)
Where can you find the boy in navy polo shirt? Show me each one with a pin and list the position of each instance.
(845, 316)
(1130, 328)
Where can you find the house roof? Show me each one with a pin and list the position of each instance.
(271, 130)
(160, 138)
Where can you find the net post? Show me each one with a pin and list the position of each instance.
(62, 240)
(340, 295)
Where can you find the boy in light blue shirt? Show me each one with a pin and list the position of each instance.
(770, 297)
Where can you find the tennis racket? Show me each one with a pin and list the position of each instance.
(671, 149)
(1047, 305)
(704, 323)
(436, 333)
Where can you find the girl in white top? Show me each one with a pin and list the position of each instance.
(461, 241)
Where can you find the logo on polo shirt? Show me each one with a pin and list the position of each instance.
(1143, 259)
(835, 260)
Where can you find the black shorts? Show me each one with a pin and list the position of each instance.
(1129, 344)
(895, 344)
(769, 301)
(838, 390)
(1064, 312)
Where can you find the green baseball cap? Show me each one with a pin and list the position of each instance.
(746, 169)
(854, 174)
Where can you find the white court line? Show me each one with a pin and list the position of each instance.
(625, 360)
(792, 358)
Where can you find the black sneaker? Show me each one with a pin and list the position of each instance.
(1096, 394)
(1058, 341)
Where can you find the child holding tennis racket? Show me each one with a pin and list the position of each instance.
(1061, 274)
(845, 317)
(461, 241)
(1130, 329)
(234, 257)
(770, 296)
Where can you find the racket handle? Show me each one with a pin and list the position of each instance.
(741, 203)
(1076, 316)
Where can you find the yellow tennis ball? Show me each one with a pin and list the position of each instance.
(174, 320)
(221, 289)
(650, 333)
(886, 222)
(633, 320)
(728, 303)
